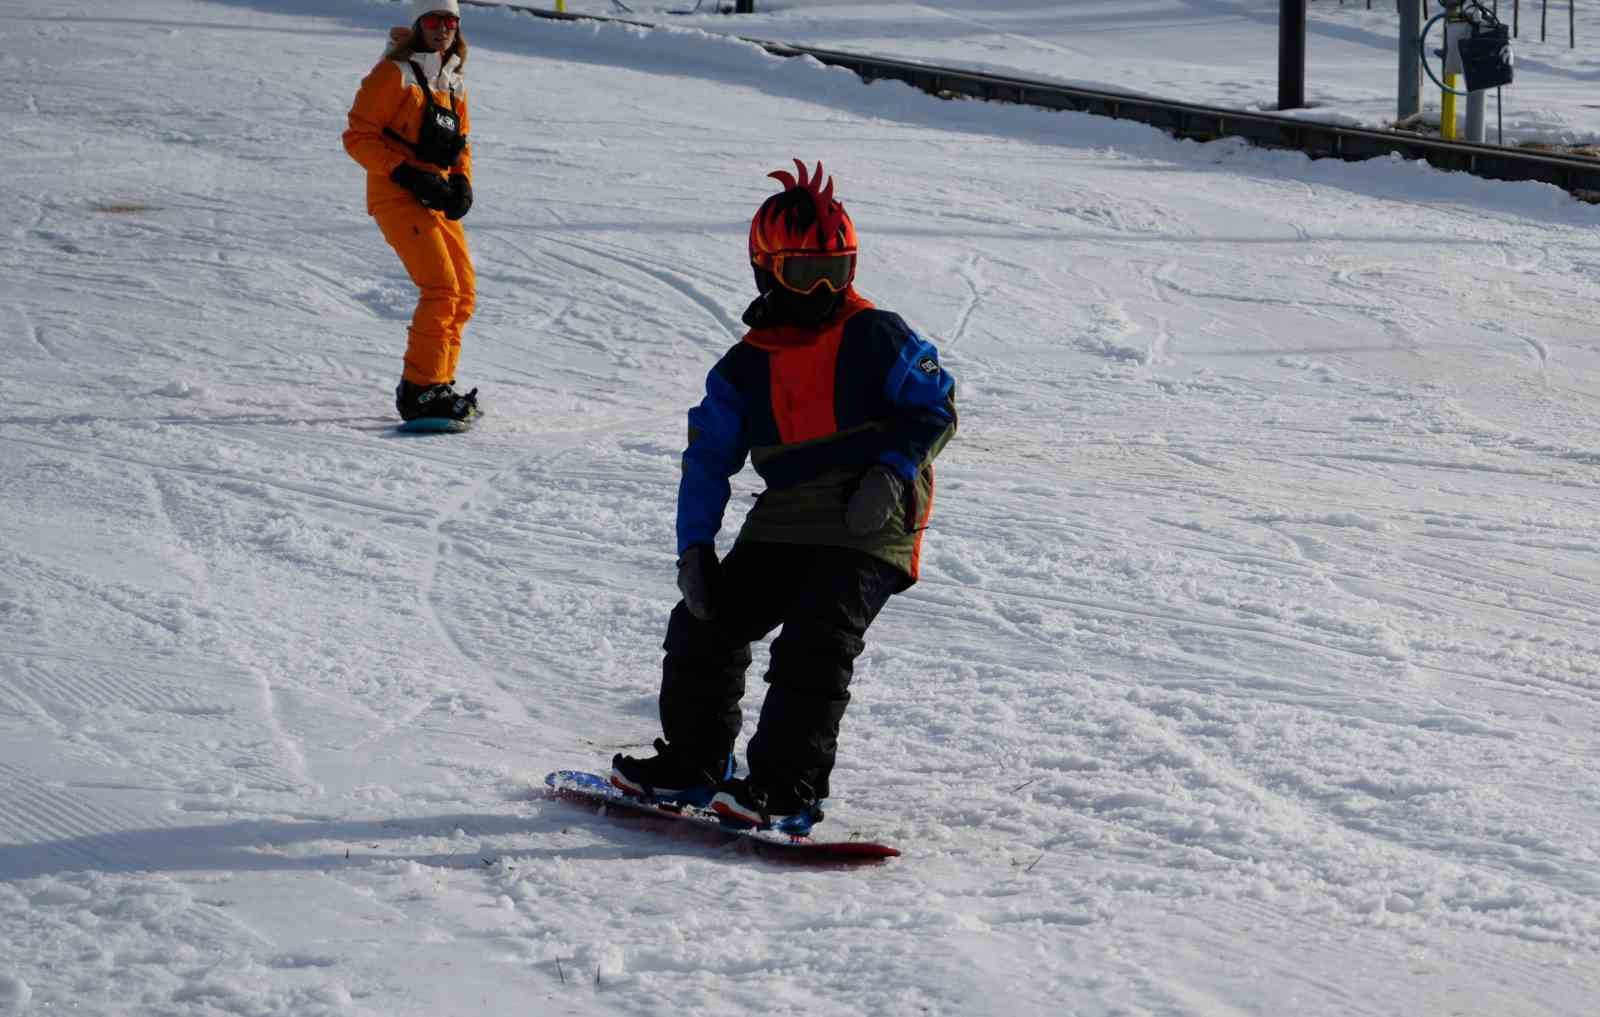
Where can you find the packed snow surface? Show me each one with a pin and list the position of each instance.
(1254, 670)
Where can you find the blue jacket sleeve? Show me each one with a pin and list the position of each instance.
(718, 445)
(924, 393)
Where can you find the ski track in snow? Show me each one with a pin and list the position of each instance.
(1255, 663)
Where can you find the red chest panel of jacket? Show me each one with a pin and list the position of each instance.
(804, 366)
(802, 388)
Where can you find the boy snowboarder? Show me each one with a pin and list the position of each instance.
(841, 409)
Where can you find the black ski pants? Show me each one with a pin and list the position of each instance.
(824, 598)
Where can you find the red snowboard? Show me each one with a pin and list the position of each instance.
(593, 789)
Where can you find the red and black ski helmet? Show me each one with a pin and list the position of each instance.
(802, 235)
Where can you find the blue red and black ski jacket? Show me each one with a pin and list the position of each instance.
(813, 408)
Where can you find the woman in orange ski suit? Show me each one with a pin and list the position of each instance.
(419, 184)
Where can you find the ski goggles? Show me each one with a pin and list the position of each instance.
(440, 22)
(803, 273)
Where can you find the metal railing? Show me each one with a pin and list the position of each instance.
(1577, 174)
(1516, 18)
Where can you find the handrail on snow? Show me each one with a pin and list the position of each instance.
(1578, 175)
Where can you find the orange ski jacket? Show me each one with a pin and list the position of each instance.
(391, 97)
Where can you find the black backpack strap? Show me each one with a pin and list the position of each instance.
(427, 110)
(394, 135)
(427, 97)
(427, 89)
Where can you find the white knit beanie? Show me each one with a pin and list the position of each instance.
(421, 7)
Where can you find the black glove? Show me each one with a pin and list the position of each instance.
(460, 196)
(878, 497)
(429, 188)
(700, 580)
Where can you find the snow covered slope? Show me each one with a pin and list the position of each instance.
(1255, 670)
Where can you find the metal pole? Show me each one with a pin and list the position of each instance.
(1410, 58)
(745, 7)
(1477, 126)
(1292, 55)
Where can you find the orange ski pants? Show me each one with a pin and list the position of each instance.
(434, 252)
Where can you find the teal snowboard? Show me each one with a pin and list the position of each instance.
(436, 425)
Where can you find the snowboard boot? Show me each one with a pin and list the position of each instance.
(669, 776)
(745, 802)
(415, 402)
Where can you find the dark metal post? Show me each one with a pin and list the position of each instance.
(745, 7)
(1410, 58)
(1292, 55)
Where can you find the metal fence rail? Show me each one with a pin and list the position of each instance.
(1579, 175)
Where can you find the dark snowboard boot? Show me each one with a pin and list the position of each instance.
(670, 776)
(789, 808)
(415, 402)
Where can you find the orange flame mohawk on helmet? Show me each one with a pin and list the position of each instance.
(805, 218)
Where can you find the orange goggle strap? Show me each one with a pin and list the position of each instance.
(803, 272)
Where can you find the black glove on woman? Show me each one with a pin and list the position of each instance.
(460, 196)
(429, 188)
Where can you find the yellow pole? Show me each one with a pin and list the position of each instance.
(561, 6)
(1455, 25)
(1447, 113)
